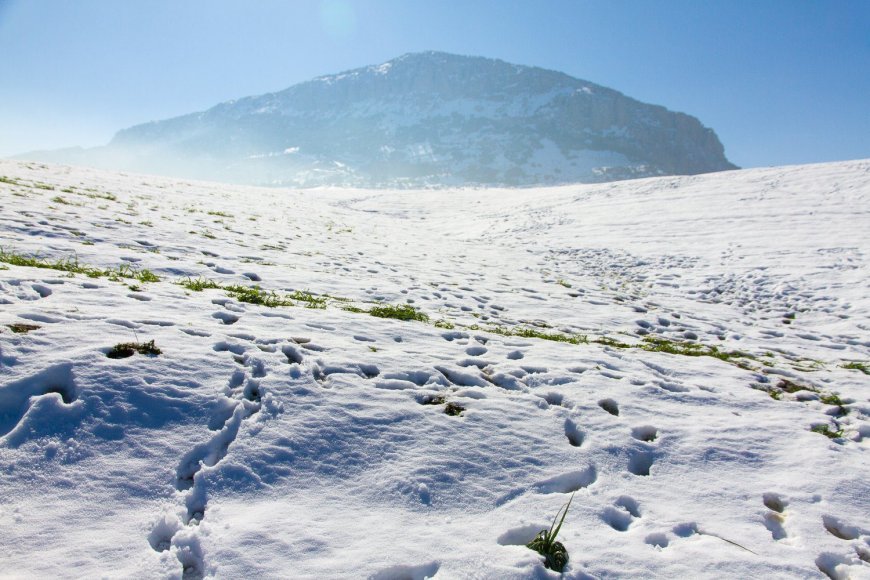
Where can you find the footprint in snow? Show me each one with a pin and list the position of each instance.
(622, 513)
(226, 317)
(404, 572)
(774, 520)
(840, 529)
(573, 433)
(610, 406)
(41, 289)
(645, 433)
(640, 461)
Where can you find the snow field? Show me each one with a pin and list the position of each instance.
(312, 443)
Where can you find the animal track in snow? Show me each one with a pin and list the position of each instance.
(568, 482)
(645, 433)
(836, 566)
(657, 540)
(621, 514)
(774, 520)
(640, 461)
(573, 433)
(41, 289)
(19, 397)
(403, 572)
(839, 529)
(610, 406)
(226, 317)
(243, 399)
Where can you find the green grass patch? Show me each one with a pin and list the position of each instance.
(835, 401)
(607, 341)
(127, 349)
(528, 332)
(827, 431)
(554, 552)
(656, 344)
(433, 400)
(72, 265)
(831, 399)
(256, 295)
(310, 300)
(199, 284)
(791, 387)
(94, 194)
(21, 328)
(400, 312)
(857, 366)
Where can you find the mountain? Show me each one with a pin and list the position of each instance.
(424, 119)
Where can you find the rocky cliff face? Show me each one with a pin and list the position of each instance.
(427, 119)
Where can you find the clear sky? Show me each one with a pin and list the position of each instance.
(781, 81)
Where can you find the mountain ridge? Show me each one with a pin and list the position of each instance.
(422, 119)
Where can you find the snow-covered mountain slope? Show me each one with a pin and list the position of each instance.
(280, 441)
(425, 119)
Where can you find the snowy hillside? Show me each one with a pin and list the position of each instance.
(687, 355)
(424, 119)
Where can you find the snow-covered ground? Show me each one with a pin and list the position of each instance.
(293, 442)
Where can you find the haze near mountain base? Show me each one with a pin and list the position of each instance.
(420, 120)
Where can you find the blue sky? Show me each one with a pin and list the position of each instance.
(781, 81)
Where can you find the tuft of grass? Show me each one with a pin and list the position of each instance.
(21, 328)
(827, 431)
(835, 400)
(400, 312)
(310, 300)
(444, 324)
(355, 309)
(791, 387)
(73, 266)
(60, 200)
(220, 214)
(528, 332)
(453, 409)
(256, 295)
(607, 341)
(199, 284)
(433, 400)
(554, 552)
(9, 180)
(857, 366)
(656, 344)
(127, 349)
(145, 275)
(97, 195)
(831, 399)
